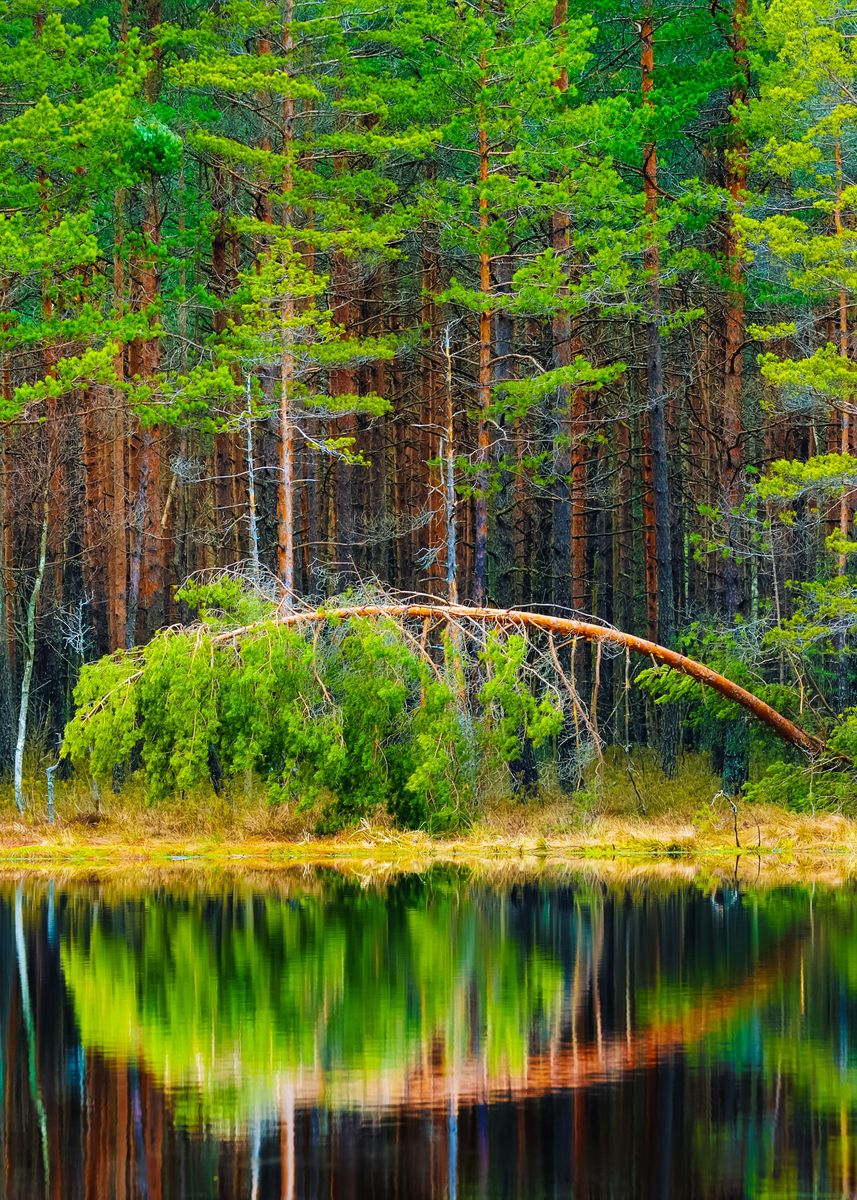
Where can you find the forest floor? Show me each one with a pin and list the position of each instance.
(634, 814)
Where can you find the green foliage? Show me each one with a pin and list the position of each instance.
(64, 150)
(109, 739)
(223, 601)
(800, 121)
(153, 147)
(348, 716)
(411, 957)
(823, 475)
(823, 613)
(718, 723)
(517, 713)
(727, 653)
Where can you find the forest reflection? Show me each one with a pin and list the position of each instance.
(433, 1036)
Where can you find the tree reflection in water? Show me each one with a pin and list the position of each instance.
(435, 1036)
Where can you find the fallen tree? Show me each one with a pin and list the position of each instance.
(568, 627)
(405, 705)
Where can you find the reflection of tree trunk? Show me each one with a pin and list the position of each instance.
(120, 1157)
(287, 1142)
(26, 1006)
(30, 658)
(255, 1156)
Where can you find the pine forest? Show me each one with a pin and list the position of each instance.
(407, 403)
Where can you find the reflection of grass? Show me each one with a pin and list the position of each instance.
(347, 990)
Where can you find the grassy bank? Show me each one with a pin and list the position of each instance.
(633, 811)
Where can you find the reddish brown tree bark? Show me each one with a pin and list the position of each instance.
(479, 586)
(731, 460)
(661, 545)
(117, 533)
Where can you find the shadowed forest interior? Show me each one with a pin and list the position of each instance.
(515, 302)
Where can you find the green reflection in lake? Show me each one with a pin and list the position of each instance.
(341, 990)
(429, 1036)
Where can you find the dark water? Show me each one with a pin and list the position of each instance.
(314, 1035)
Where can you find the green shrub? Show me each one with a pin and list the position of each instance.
(348, 716)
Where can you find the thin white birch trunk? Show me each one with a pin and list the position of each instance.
(30, 654)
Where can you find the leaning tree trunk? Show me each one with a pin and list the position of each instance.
(566, 627)
(512, 618)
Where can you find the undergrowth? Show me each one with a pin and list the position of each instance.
(346, 719)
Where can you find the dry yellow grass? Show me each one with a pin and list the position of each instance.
(633, 813)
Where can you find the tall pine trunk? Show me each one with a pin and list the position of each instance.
(505, 509)
(735, 743)
(656, 405)
(731, 464)
(7, 616)
(117, 533)
(479, 585)
(286, 459)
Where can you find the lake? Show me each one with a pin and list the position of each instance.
(309, 1033)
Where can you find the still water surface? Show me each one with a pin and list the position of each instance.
(315, 1035)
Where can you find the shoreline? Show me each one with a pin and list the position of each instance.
(771, 839)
